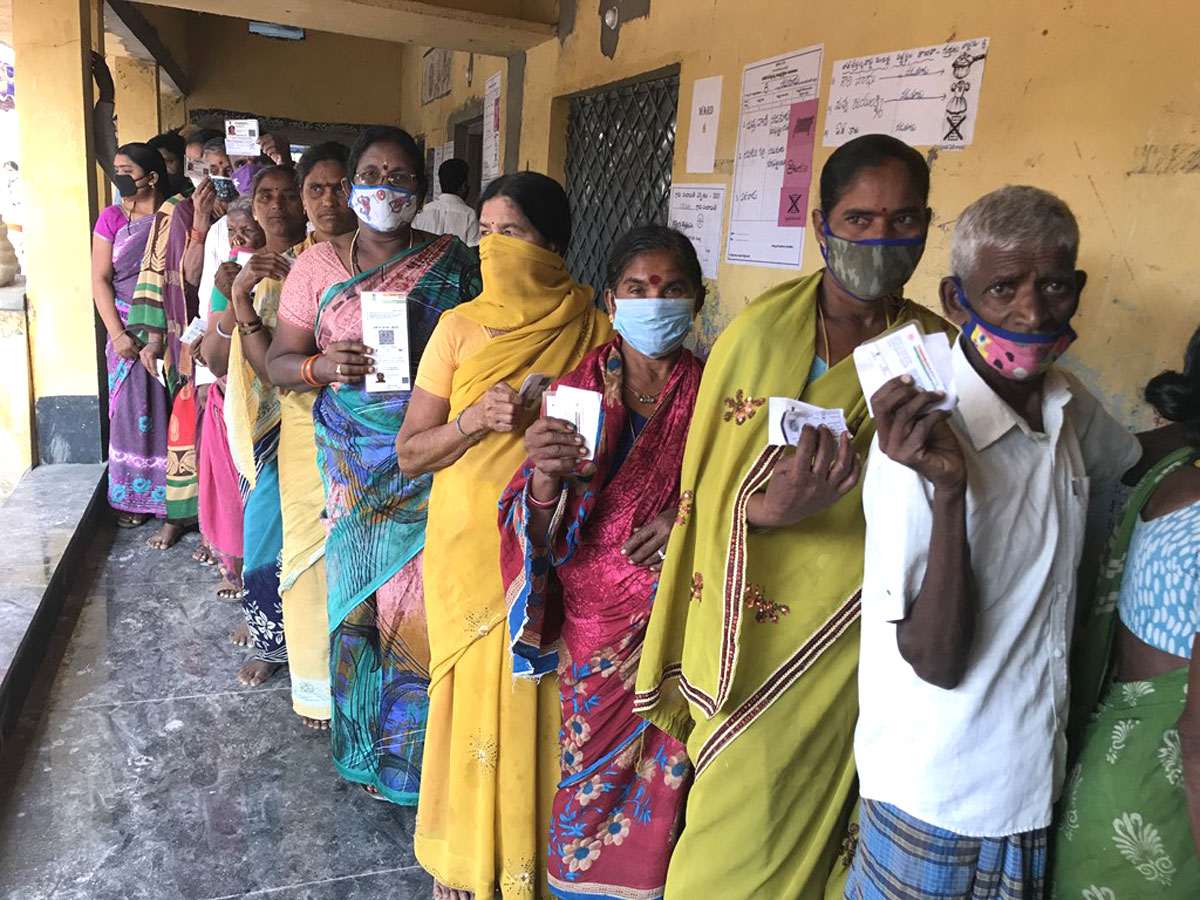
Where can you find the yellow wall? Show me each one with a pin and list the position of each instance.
(1076, 98)
(137, 98)
(431, 119)
(324, 78)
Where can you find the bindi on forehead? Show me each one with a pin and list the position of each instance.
(656, 279)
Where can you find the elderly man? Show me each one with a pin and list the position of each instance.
(975, 524)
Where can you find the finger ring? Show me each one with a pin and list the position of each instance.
(662, 554)
(338, 369)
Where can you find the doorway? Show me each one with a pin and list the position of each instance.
(468, 146)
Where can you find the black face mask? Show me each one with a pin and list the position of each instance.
(180, 184)
(125, 184)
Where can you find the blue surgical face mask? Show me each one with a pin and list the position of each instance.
(654, 326)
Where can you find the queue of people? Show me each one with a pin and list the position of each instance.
(669, 659)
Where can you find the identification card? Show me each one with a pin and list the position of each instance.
(385, 329)
(197, 328)
(241, 137)
(907, 351)
(533, 387)
(788, 418)
(579, 407)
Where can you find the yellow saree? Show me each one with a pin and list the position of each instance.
(751, 653)
(490, 764)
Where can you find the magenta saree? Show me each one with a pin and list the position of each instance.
(620, 802)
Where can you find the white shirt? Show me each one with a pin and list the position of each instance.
(985, 759)
(448, 214)
(216, 251)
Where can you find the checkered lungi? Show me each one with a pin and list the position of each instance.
(902, 858)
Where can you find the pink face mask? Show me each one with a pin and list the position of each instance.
(1020, 357)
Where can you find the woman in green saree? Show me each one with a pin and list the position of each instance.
(1129, 826)
(751, 654)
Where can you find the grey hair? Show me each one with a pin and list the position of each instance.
(215, 145)
(241, 206)
(1017, 216)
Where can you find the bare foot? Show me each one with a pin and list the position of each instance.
(240, 636)
(314, 724)
(441, 892)
(227, 590)
(257, 672)
(204, 556)
(165, 537)
(132, 520)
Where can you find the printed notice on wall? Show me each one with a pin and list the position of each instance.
(927, 96)
(706, 116)
(490, 167)
(439, 157)
(771, 92)
(698, 211)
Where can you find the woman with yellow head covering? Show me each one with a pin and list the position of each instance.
(490, 764)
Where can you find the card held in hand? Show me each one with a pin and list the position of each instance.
(385, 330)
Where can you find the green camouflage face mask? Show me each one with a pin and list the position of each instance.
(871, 269)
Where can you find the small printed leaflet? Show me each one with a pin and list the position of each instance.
(788, 418)
(579, 407)
(385, 329)
(907, 351)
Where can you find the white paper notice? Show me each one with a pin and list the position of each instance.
(770, 89)
(907, 351)
(925, 96)
(241, 137)
(698, 211)
(788, 418)
(385, 329)
(706, 116)
(579, 407)
(439, 157)
(490, 167)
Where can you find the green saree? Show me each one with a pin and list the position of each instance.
(1123, 830)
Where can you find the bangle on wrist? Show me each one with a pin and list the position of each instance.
(306, 371)
(541, 504)
(196, 237)
(458, 424)
(250, 327)
(221, 333)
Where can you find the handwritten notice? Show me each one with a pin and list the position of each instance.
(490, 167)
(698, 210)
(797, 164)
(926, 96)
(706, 116)
(770, 89)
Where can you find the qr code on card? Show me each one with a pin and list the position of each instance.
(387, 337)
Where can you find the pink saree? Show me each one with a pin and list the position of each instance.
(620, 802)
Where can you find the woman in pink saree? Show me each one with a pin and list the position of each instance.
(581, 545)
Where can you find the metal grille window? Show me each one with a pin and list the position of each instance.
(620, 148)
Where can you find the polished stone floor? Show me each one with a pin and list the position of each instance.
(142, 770)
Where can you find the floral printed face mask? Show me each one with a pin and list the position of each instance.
(1015, 355)
(383, 208)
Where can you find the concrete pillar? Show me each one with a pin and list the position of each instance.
(137, 99)
(51, 40)
(172, 109)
